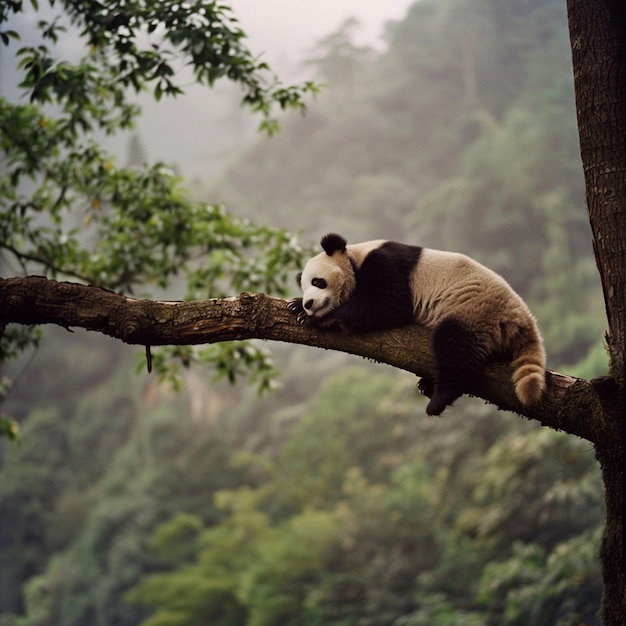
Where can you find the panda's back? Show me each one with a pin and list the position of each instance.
(449, 283)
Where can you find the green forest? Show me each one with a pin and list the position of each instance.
(334, 501)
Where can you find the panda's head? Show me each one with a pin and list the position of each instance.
(328, 279)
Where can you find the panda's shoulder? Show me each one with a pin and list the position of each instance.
(397, 253)
(358, 252)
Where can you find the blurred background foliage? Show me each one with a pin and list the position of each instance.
(334, 501)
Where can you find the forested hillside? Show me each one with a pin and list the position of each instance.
(335, 501)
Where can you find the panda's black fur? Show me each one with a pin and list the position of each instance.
(474, 314)
(385, 273)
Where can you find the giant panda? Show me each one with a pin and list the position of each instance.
(474, 314)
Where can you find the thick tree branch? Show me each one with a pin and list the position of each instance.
(569, 404)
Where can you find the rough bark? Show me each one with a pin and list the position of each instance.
(598, 40)
(569, 404)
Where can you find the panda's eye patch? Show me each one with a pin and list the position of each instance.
(320, 283)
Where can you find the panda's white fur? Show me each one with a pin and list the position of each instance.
(338, 272)
(475, 315)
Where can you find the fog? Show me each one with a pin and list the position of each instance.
(197, 131)
(285, 30)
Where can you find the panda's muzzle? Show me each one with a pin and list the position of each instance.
(316, 308)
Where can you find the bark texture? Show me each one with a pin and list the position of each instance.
(598, 41)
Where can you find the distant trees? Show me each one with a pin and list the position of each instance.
(343, 504)
(365, 514)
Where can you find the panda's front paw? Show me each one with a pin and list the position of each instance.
(295, 306)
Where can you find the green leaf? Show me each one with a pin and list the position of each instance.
(10, 429)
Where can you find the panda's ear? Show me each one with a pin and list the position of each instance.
(298, 279)
(332, 243)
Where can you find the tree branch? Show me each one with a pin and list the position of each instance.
(569, 404)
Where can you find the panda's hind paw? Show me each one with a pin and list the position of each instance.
(426, 386)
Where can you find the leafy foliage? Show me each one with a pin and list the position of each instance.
(139, 43)
(68, 210)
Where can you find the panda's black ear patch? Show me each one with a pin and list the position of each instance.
(332, 243)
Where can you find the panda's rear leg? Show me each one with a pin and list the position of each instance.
(460, 356)
(443, 396)
(426, 386)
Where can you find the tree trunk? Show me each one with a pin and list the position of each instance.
(598, 40)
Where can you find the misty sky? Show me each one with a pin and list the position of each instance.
(184, 131)
(284, 30)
